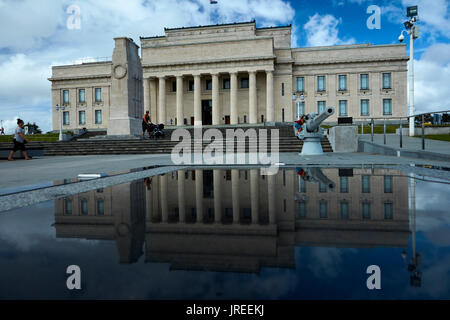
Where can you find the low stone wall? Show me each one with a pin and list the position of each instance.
(343, 138)
(428, 130)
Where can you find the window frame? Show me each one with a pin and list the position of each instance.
(324, 89)
(361, 107)
(79, 95)
(390, 107)
(383, 81)
(297, 89)
(346, 108)
(95, 95)
(64, 118)
(101, 116)
(361, 81)
(241, 82)
(64, 102)
(343, 76)
(79, 117)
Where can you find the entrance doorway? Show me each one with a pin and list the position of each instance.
(206, 112)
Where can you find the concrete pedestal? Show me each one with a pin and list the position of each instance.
(344, 138)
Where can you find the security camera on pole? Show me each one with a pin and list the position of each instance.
(413, 31)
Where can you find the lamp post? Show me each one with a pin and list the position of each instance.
(60, 109)
(413, 31)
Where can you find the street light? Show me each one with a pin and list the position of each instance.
(60, 109)
(413, 31)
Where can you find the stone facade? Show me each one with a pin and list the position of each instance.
(238, 73)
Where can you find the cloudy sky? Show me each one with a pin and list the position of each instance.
(35, 36)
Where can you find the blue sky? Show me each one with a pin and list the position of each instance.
(35, 36)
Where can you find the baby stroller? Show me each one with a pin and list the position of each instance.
(157, 131)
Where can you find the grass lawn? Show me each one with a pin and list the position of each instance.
(440, 137)
(49, 137)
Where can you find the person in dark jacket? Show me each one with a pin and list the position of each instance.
(146, 124)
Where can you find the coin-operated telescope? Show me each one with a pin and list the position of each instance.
(310, 132)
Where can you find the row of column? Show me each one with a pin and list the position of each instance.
(217, 182)
(150, 92)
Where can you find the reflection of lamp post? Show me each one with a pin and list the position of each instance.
(60, 109)
(416, 259)
(413, 32)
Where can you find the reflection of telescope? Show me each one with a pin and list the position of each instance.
(315, 175)
(312, 133)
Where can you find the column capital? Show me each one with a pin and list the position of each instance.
(161, 77)
(251, 72)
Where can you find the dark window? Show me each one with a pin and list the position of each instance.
(344, 210)
(191, 85)
(174, 86)
(387, 184)
(208, 84)
(388, 210)
(282, 89)
(226, 83)
(321, 83)
(244, 83)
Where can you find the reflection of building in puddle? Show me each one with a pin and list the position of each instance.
(239, 220)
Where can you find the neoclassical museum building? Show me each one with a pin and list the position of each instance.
(229, 74)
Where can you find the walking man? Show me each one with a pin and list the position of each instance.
(146, 124)
(19, 141)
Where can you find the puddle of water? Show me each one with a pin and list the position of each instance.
(304, 233)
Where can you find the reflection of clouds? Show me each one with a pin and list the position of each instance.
(432, 196)
(327, 261)
(24, 227)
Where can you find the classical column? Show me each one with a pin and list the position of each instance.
(146, 94)
(163, 194)
(233, 98)
(197, 101)
(180, 111)
(215, 99)
(153, 100)
(199, 194)
(254, 194)
(217, 176)
(235, 194)
(271, 198)
(253, 112)
(162, 100)
(270, 112)
(181, 201)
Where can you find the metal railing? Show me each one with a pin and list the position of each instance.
(422, 118)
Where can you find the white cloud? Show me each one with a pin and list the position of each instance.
(431, 79)
(323, 31)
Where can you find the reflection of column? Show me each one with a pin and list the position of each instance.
(235, 194)
(197, 101)
(146, 94)
(233, 98)
(215, 99)
(163, 195)
(270, 112)
(271, 198)
(253, 112)
(162, 100)
(181, 203)
(180, 111)
(254, 194)
(199, 194)
(217, 195)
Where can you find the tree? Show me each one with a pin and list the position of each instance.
(33, 128)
